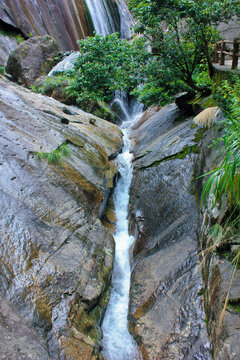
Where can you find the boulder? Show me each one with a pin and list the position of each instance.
(56, 256)
(64, 65)
(31, 59)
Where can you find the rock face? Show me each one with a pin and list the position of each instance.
(217, 270)
(7, 44)
(166, 306)
(66, 21)
(56, 256)
(31, 59)
(18, 339)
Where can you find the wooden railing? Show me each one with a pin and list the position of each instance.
(222, 51)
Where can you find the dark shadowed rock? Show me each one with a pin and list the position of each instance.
(166, 308)
(184, 103)
(56, 256)
(31, 59)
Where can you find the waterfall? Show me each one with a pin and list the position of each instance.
(101, 17)
(103, 22)
(126, 20)
(117, 342)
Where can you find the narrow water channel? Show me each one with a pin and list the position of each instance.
(117, 342)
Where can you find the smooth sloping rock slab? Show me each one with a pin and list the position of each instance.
(166, 308)
(56, 256)
(18, 340)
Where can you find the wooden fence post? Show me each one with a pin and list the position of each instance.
(216, 56)
(235, 53)
(222, 55)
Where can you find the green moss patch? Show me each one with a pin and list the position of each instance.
(234, 304)
(192, 149)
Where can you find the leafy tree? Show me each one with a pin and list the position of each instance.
(182, 35)
(105, 65)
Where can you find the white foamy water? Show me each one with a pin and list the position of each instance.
(117, 342)
(101, 18)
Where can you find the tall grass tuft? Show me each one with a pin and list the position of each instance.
(224, 180)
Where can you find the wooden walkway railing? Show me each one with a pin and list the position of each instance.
(222, 51)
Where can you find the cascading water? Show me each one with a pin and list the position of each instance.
(100, 14)
(103, 22)
(117, 342)
(126, 20)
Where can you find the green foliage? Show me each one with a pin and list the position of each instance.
(107, 64)
(234, 304)
(51, 82)
(2, 70)
(201, 78)
(182, 34)
(55, 156)
(224, 180)
(160, 84)
(19, 38)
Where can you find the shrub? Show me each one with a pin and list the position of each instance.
(106, 64)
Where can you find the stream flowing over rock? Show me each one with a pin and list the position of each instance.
(56, 256)
(166, 306)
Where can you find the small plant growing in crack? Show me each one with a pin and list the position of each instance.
(55, 156)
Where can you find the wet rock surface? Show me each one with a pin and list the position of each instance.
(166, 305)
(56, 256)
(18, 339)
(65, 21)
(223, 326)
(224, 337)
(31, 59)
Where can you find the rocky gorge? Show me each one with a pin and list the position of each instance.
(57, 175)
